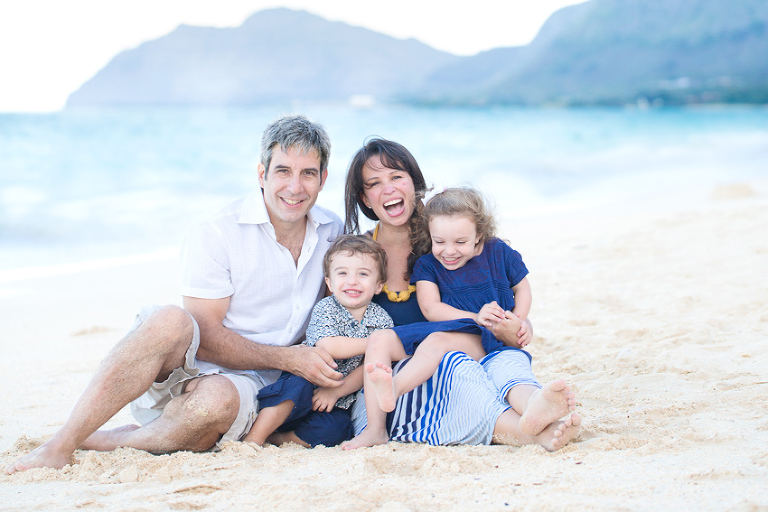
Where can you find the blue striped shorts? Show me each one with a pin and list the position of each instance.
(459, 404)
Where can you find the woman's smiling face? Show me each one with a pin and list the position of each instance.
(390, 193)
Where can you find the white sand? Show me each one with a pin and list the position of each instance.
(659, 319)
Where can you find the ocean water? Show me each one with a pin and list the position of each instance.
(87, 185)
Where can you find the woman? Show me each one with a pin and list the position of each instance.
(461, 404)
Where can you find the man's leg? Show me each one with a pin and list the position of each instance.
(148, 354)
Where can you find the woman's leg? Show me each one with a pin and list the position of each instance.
(542, 406)
(553, 437)
(511, 373)
(425, 361)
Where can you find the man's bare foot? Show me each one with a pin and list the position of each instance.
(108, 440)
(44, 456)
(559, 433)
(366, 438)
(545, 405)
(383, 386)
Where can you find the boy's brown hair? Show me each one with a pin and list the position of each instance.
(357, 244)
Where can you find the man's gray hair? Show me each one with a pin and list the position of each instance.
(295, 132)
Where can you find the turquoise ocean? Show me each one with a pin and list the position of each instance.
(88, 185)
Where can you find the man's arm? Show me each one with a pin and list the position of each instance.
(221, 346)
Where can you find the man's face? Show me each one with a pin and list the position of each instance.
(291, 184)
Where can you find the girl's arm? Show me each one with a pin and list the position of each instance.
(434, 310)
(342, 347)
(523, 299)
(325, 399)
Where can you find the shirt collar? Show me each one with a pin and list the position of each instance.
(367, 321)
(254, 211)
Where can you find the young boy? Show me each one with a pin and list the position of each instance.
(292, 409)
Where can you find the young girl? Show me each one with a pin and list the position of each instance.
(471, 283)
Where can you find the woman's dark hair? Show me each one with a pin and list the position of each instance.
(392, 156)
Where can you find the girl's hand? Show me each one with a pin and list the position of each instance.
(324, 399)
(490, 314)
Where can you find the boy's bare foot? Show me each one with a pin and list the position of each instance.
(383, 386)
(107, 440)
(550, 403)
(559, 433)
(44, 456)
(366, 438)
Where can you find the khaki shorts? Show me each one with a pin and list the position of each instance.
(149, 406)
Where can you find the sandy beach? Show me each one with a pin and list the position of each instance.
(657, 314)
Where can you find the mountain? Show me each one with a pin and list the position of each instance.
(276, 55)
(601, 52)
(614, 52)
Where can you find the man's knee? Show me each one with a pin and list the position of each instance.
(212, 401)
(171, 327)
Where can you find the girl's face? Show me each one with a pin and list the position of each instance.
(454, 240)
(390, 193)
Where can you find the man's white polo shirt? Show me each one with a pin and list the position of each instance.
(235, 254)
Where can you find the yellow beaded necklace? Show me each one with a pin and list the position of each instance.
(395, 296)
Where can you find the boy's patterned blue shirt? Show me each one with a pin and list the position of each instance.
(330, 318)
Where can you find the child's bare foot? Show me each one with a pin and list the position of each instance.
(367, 437)
(107, 440)
(559, 433)
(550, 403)
(44, 456)
(383, 386)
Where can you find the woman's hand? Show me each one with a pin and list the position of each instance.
(507, 331)
(490, 314)
(513, 332)
(525, 334)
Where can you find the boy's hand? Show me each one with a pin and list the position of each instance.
(490, 314)
(324, 399)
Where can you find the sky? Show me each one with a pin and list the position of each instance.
(48, 48)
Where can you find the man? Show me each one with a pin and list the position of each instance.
(251, 275)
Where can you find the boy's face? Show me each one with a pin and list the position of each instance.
(354, 280)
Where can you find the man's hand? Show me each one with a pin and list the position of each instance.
(324, 399)
(314, 364)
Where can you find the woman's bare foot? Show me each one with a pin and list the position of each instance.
(107, 440)
(367, 437)
(44, 456)
(383, 386)
(559, 433)
(550, 403)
